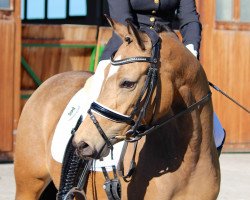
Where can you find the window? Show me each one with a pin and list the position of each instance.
(77, 7)
(57, 9)
(52, 9)
(88, 12)
(224, 10)
(5, 4)
(35, 9)
(233, 14)
(245, 10)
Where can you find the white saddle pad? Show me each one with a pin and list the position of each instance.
(77, 106)
(67, 122)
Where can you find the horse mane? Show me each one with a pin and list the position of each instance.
(164, 28)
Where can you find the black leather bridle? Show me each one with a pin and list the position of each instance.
(137, 129)
(133, 134)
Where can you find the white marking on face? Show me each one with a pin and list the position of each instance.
(98, 79)
(113, 69)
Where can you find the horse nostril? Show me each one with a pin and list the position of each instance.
(83, 150)
(82, 146)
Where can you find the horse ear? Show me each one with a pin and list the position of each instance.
(136, 34)
(110, 20)
(119, 28)
(129, 33)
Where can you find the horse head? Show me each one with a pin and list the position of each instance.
(135, 91)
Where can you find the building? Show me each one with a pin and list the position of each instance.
(225, 55)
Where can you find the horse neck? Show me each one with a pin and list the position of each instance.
(182, 83)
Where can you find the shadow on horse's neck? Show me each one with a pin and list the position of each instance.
(177, 144)
(168, 146)
(163, 153)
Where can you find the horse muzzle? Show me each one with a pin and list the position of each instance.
(85, 151)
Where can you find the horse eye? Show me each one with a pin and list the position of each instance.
(128, 39)
(127, 84)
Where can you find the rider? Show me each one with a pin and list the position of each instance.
(150, 13)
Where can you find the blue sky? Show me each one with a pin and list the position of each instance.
(56, 8)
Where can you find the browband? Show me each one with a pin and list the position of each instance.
(131, 60)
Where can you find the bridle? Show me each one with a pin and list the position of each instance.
(133, 134)
(137, 129)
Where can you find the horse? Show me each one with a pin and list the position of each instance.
(176, 156)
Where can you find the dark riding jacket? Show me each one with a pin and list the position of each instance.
(152, 12)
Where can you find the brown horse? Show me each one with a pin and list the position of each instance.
(176, 161)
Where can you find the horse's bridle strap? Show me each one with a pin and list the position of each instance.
(115, 116)
(189, 109)
(148, 89)
(131, 60)
(153, 59)
(99, 128)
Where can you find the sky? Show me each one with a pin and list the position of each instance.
(56, 8)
